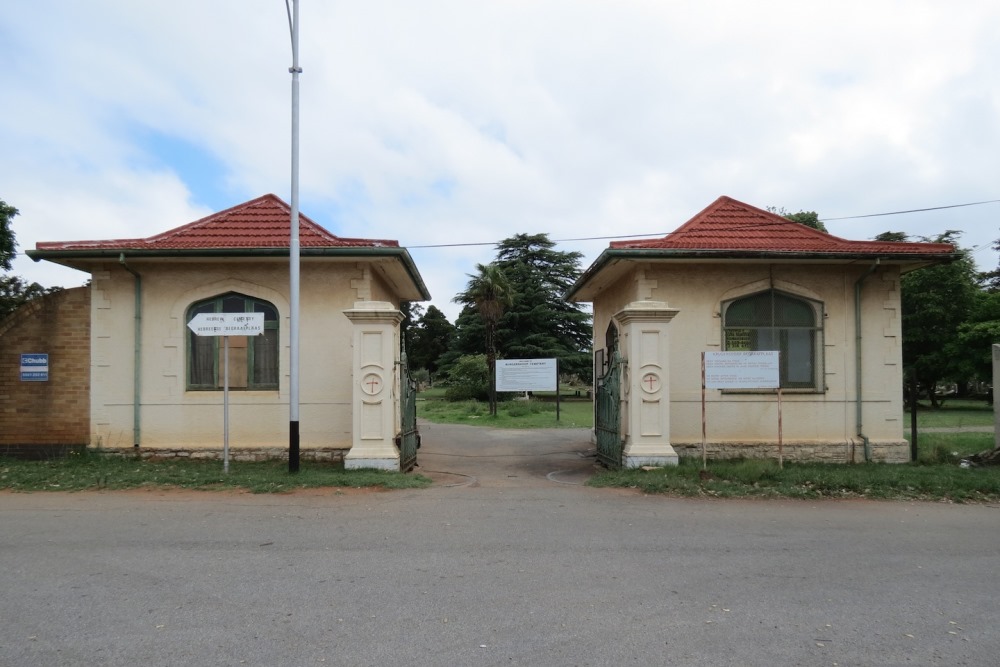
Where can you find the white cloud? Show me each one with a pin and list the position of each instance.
(447, 121)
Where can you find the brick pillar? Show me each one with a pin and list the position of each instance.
(645, 344)
(375, 343)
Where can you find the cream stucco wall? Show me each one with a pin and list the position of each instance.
(172, 416)
(812, 421)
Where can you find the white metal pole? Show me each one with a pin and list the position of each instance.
(781, 453)
(293, 249)
(225, 407)
(704, 428)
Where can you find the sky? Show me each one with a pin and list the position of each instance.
(460, 123)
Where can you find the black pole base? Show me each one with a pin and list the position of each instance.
(293, 446)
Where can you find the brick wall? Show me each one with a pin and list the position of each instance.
(43, 416)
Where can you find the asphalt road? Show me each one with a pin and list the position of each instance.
(507, 560)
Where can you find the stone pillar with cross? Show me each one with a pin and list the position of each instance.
(375, 345)
(645, 345)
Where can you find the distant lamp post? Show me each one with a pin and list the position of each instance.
(293, 248)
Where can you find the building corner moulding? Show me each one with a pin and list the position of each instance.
(645, 311)
(375, 312)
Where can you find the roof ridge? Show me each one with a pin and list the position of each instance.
(728, 224)
(200, 222)
(263, 222)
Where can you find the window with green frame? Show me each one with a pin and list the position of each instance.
(775, 320)
(253, 360)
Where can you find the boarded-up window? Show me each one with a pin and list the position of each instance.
(253, 361)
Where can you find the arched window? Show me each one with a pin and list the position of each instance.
(253, 360)
(774, 320)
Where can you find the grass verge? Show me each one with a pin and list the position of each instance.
(92, 471)
(935, 476)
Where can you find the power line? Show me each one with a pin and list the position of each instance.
(761, 224)
(912, 210)
(666, 234)
(587, 238)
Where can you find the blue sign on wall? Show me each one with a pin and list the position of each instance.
(34, 367)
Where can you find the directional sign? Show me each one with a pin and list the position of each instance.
(227, 324)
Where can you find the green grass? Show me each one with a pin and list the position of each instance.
(97, 471)
(764, 479)
(935, 476)
(539, 412)
(578, 412)
(954, 413)
(950, 447)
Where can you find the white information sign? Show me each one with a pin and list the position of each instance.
(527, 375)
(741, 370)
(227, 324)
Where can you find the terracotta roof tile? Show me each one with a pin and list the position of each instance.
(260, 223)
(730, 225)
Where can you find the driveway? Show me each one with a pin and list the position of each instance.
(507, 560)
(505, 458)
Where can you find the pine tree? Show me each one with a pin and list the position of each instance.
(539, 323)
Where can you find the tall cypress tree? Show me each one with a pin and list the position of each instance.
(539, 323)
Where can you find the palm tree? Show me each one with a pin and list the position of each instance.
(489, 292)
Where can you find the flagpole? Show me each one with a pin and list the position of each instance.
(293, 250)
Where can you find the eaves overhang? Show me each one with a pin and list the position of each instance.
(612, 263)
(81, 258)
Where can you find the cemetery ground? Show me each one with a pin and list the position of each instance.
(945, 436)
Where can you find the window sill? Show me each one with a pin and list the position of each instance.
(219, 390)
(774, 392)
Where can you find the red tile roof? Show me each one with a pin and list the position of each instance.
(264, 222)
(727, 225)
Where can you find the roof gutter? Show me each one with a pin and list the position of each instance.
(369, 252)
(644, 254)
(137, 364)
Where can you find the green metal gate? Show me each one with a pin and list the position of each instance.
(408, 440)
(607, 413)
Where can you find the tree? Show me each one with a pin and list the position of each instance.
(990, 280)
(807, 218)
(431, 338)
(8, 244)
(976, 336)
(936, 302)
(412, 312)
(489, 292)
(539, 323)
(15, 292)
(467, 379)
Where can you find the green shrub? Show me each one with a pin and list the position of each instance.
(468, 379)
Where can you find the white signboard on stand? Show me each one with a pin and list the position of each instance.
(226, 325)
(741, 370)
(527, 375)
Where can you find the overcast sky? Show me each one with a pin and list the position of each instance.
(468, 121)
